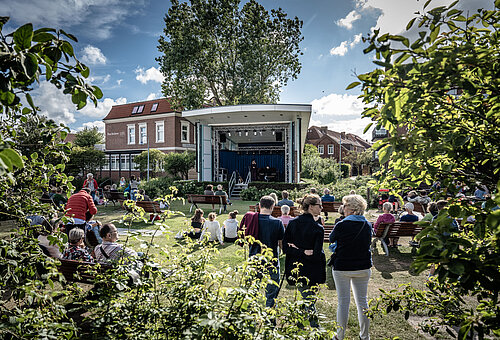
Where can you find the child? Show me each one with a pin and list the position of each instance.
(231, 227)
(213, 228)
(196, 222)
(285, 217)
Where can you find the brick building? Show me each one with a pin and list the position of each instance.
(130, 128)
(329, 143)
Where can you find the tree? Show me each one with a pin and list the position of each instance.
(359, 158)
(156, 161)
(444, 88)
(324, 170)
(218, 51)
(89, 137)
(179, 164)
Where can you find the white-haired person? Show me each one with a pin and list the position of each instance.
(327, 198)
(91, 183)
(76, 248)
(352, 263)
(285, 215)
(409, 216)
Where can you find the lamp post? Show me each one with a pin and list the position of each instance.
(340, 156)
(148, 159)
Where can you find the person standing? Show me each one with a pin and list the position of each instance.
(134, 187)
(270, 233)
(253, 170)
(303, 246)
(352, 262)
(91, 183)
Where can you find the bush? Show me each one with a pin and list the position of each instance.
(195, 187)
(278, 187)
(254, 194)
(157, 187)
(346, 170)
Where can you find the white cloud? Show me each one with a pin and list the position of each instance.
(119, 82)
(340, 50)
(92, 55)
(393, 16)
(340, 112)
(344, 46)
(103, 107)
(58, 106)
(152, 96)
(151, 74)
(89, 125)
(102, 16)
(348, 20)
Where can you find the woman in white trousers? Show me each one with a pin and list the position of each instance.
(351, 263)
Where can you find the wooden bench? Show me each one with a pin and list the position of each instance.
(78, 271)
(331, 206)
(113, 196)
(328, 230)
(207, 199)
(277, 211)
(396, 229)
(152, 207)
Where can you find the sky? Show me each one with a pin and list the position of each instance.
(118, 40)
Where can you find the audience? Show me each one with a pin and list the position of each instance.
(80, 207)
(142, 196)
(327, 198)
(285, 200)
(109, 250)
(341, 213)
(409, 216)
(221, 192)
(76, 249)
(275, 197)
(230, 228)
(91, 183)
(285, 217)
(386, 217)
(212, 227)
(209, 190)
(196, 223)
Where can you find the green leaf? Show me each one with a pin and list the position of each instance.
(367, 128)
(30, 64)
(427, 3)
(48, 72)
(352, 85)
(410, 23)
(67, 48)
(97, 92)
(71, 36)
(6, 162)
(30, 101)
(43, 37)
(455, 210)
(85, 71)
(23, 36)
(385, 153)
(434, 34)
(383, 64)
(7, 97)
(497, 3)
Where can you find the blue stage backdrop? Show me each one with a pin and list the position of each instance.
(232, 160)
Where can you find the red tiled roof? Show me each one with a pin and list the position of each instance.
(125, 110)
(349, 138)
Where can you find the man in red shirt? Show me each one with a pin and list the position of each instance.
(79, 204)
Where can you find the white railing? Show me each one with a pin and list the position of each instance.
(232, 182)
(248, 178)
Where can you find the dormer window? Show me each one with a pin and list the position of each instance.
(140, 109)
(134, 110)
(154, 107)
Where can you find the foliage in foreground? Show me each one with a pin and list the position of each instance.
(451, 137)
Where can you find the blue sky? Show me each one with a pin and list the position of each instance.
(118, 40)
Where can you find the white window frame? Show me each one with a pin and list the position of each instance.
(124, 162)
(330, 149)
(141, 140)
(321, 149)
(130, 140)
(185, 124)
(114, 161)
(162, 133)
(154, 107)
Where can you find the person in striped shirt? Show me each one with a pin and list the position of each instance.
(109, 250)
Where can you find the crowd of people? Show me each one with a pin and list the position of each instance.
(300, 238)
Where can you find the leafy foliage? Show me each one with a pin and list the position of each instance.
(156, 161)
(323, 170)
(443, 89)
(88, 137)
(179, 164)
(227, 53)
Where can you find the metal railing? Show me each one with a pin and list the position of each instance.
(248, 178)
(232, 182)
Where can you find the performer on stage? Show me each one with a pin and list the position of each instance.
(253, 170)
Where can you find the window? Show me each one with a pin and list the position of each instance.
(133, 164)
(114, 162)
(124, 162)
(321, 149)
(154, 107)
(185, 132)
(330, 149)
(143, 133)
(131, 134)
(106, 163)
(140, 109)
(160, 132)
(134, 110)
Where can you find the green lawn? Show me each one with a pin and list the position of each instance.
(387, 272)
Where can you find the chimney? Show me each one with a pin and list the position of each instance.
(324, 129)
(342, 135)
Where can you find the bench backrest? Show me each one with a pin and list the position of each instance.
(399, 229)
(331, 206)
(149, 206)
(277, 211)
(213, 199)
(70, 267)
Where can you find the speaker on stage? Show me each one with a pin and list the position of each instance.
(222, 137)
(279, 136)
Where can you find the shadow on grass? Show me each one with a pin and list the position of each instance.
(398, 260)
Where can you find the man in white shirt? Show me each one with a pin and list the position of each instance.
(109, 250)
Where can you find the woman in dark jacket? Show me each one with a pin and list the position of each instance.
(303, 244)
(352, 263)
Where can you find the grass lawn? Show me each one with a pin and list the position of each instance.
(387, 272)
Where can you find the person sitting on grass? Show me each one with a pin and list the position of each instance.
(327, 198)
(285, 217)
(76, 249)
(109, 250)
(230, 229)
(212, 227)
(196, 223)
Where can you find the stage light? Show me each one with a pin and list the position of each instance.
(246, 133)
(273, 132)
(239, 132)
(254, 133)
(229, 134)
(260, 133)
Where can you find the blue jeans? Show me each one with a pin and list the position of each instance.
(272, 290)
